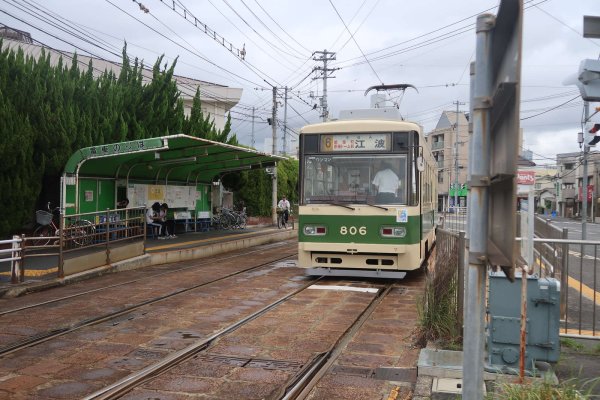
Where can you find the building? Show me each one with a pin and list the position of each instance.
(545, 189)
(566, 183)
(216, 99)
(449, 142)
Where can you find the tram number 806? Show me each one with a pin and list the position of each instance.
(353, 230)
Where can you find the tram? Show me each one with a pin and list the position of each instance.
(351, 223)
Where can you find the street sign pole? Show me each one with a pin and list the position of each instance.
(492, 172)
(479, 171)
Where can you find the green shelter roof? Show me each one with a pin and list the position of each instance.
(176, 158)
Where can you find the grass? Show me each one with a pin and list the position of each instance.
(577, 346)
(543, 390)
(571, 344)
(438, 315)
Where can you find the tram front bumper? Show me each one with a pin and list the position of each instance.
(352, 255)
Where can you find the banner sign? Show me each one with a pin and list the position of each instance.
(590, 191)
(526, 177)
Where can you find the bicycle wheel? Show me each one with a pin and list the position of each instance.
(81, 232)
(243, 221)
(43, 234)
(280, 222)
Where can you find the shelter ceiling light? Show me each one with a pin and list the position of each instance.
(177, 161)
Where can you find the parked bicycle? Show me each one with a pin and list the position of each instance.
(78, 233)
(229, 219)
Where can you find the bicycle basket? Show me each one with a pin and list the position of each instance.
(279, 210)
(43, 217)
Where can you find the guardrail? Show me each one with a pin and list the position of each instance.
(453, 219)
(575, 263)
(76, 235)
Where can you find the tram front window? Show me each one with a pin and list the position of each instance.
(352, 179)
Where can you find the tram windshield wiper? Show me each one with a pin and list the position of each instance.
(341, 205)
(373, 205)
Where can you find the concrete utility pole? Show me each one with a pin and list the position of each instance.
(456, 143)
(285, 99)
(274, 189)
(584, 189)
(325, 57)
(252, 141)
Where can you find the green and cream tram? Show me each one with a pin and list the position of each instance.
(352, 224)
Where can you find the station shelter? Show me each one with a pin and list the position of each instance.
(180, 170)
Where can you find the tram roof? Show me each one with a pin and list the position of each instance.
(175, 157)
(361, 125)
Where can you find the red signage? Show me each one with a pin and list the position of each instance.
(526, 177)
(590, 191)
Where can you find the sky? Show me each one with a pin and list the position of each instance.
(426, 43)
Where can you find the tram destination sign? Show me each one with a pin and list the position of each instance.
(356, 142)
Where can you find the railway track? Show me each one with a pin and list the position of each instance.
(54, 333)
(258, 333)
(306, 376)
(129, 282)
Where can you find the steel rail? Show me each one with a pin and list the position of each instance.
(45, 336)
(307, 380)
(123, 283)
(128, 383)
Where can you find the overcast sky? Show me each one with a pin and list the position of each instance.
(427, 43)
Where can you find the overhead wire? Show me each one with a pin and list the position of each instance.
(279, 26)
(271, 31)
(355, 42)
(188, 50)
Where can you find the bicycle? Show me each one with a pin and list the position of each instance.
(281, 223)
(79, 232)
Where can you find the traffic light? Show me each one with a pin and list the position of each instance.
(595, 137)
(270, 121)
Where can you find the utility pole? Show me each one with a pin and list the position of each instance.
(456, 143)
(285, 99)
(584, 189)
(252, 141)
(325, 57)
(274, 188)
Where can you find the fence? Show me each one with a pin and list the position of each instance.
(574, 263)
(453, 219)
(68, 244)
(450, 276)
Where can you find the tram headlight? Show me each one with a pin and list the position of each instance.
(314, 230)
(393, 231)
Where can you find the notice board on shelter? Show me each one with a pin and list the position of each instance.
(175, 196)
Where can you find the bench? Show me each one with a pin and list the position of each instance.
(183, 218)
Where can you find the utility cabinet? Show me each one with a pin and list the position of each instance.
(504, 322)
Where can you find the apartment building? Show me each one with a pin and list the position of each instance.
(570, 184)
(449, 143)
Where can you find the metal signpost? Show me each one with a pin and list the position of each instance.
(492, 171)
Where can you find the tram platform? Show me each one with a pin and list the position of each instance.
(41, 272)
